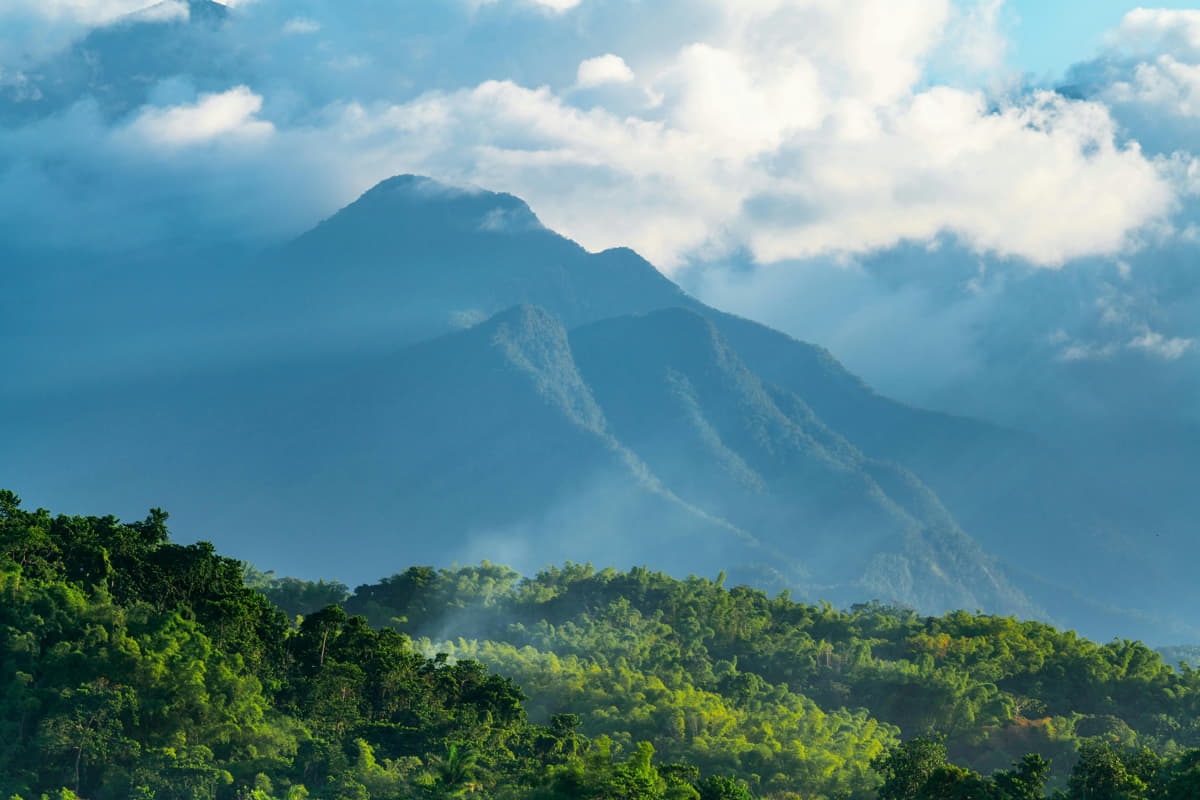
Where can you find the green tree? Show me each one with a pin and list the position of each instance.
(908, 767)
(1102, 773)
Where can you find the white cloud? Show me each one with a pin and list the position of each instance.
(557, 6)
(794, 128)
(740, 106)
(603, 69)
(1148, 342)
(166, 11)
(300, 25)
(32, 30)
(1043, 180)
(1149, 77)
(1169, 85)
(87, 12)
(1084, 351)
(1164, 347)
(228, 114)
(552, 6)
(976, 38)
(871, 50)
(1158, 30)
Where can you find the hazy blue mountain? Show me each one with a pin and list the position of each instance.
(444, 251)
(1066, 518)
(479, 444)
(1188, 654)
(1078, 518)
(757, 455)
(118, 65)
(488, 444)
(432, 375)
(421, 258)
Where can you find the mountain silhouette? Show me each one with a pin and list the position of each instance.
(431, 375)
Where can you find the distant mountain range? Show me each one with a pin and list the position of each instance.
(117, 65)
(433, 376)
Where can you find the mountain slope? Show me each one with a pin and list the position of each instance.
(119, 65)
(1036, 508)
(489, 440)
(310, 390)
(422, 258)
(681, 398)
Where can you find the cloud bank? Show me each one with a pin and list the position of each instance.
(793, 128)
(773, 153)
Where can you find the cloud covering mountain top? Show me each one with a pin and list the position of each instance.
(869, 174)
(793, 128)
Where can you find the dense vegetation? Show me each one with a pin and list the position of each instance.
(132, 667)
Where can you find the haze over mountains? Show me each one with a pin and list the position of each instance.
(431, 375)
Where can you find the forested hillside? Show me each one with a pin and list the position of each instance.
(133, 667)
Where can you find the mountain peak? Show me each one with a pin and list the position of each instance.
(492, 212)
(438, 255)
(169, 11)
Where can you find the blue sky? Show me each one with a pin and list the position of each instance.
(1050, 35)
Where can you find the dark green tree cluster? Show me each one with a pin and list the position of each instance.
(293, 596)
(132, 668)
(919, 770)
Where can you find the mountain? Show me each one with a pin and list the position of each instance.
(117, 66)
(638, 437)
(756, 454)
(424, 258)
(420, 258)
(489, 442)
(432, 375)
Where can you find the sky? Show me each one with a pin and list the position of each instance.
(1048, 36)
(957, 197)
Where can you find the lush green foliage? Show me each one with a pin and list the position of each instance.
(996, 686)
(293, 596)
(132, 667)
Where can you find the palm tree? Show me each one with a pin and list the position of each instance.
(455, 772)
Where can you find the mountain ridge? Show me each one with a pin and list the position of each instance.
(392, 356)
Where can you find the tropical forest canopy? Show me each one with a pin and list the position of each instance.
(135, 667)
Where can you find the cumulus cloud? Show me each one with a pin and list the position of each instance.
(1147, 341)
(1172, 86)
(977, 37)
(1168, 348)
(300, 26)
(1044, 180)
(793, 128)
(1149, 76)
(769, 136)
(89, 12)
(190, 173)
(603, 69)
(212, 116)
(551, 6)
(166, 11)
(558, 5)
(1150, 31)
